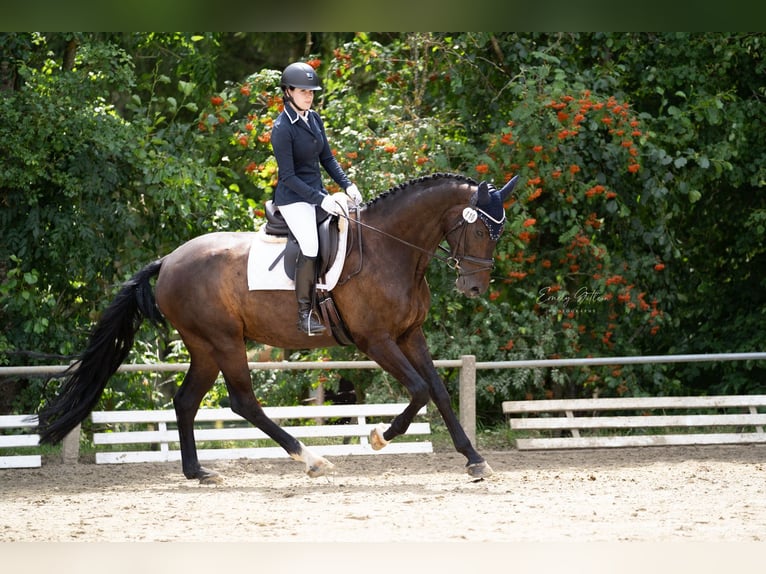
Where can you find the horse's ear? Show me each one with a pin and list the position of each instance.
(482, 194)
(508, 188)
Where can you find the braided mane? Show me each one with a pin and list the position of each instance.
(418, 181)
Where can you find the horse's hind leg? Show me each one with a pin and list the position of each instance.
(243, 402)
(197, 382)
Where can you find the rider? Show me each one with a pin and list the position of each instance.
(300, 145)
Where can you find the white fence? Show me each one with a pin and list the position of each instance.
(638, 421)
(152, 440)
(467, 364)
(12, 424)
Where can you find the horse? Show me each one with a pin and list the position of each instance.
(382, 297)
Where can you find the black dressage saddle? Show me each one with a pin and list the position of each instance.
(329, 236)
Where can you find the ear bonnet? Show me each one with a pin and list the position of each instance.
(488, 203)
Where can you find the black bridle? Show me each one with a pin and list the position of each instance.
(453, 259)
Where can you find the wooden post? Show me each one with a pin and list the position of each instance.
(467, 403)
(70, 446)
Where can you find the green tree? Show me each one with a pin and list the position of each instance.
(89, 195)
(638, 227)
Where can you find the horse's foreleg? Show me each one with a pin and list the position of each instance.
(417, 351)
(198, 381)
(476, 466)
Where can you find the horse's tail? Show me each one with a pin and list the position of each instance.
(108, 346)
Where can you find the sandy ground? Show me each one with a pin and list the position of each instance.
(667, 494)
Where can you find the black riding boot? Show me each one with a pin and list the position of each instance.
(305, 278)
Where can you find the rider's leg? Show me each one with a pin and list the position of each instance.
(301, 219)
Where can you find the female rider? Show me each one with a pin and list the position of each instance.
(300, 146)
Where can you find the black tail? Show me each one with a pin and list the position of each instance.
(108, 346)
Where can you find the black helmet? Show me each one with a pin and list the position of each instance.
(300, 75)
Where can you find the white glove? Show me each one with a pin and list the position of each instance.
(353, 192)
(331, 206)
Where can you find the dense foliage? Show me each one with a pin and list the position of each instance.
(638, 228)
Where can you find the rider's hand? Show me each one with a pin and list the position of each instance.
(353, 192)
(331, 206)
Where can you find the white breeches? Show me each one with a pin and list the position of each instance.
(302, 221)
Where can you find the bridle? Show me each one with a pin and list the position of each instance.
(453, 259)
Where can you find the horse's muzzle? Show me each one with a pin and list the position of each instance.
(471, 285)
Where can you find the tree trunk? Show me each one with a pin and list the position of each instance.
(69, 54)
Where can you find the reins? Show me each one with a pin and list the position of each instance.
(452, 260)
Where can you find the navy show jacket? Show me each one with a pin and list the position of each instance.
(300, 148)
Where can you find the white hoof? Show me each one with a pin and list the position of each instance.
(315, 465)
(320, 467)
(377, 441)
(479, 470)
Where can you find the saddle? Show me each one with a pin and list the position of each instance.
(329, 240)
(327, 227)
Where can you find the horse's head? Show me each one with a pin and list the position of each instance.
(472, 240)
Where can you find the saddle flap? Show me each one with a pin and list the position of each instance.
(329, 238)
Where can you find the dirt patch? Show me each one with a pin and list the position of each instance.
(650, 494)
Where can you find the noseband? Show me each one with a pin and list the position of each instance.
(455, 260)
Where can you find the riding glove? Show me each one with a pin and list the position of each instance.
(331, 206)
(353, 192)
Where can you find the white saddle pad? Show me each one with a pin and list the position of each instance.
(266, 248)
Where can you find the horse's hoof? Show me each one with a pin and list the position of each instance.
(206, 476)
(479, 470)
(320, 467)
(212, 479)
(377, 441)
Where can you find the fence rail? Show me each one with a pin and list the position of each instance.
(467, 365)
(44, 370)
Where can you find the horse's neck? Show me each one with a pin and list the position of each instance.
(418, 217)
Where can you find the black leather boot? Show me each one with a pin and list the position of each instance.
(305, 278)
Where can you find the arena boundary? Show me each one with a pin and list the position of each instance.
(220, 428)
(467, 365)
(13, 437)
(637, 421)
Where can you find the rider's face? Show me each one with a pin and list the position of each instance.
(303, 98)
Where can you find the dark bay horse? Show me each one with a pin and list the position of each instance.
(382, 296)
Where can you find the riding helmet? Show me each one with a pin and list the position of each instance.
(300, 75)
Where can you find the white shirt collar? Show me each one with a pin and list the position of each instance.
(291, 110)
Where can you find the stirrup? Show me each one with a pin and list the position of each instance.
(309, 325)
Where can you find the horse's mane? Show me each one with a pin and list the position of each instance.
(419, 181)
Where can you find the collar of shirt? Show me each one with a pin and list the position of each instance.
(293, 115)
